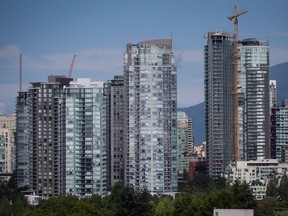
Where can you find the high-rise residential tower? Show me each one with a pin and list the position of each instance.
(150, 132)
(114, 90)
(21, 140)
(273, 93)
(46, 140)
(85, 151)
(61, 138)
(185, 143)
(219, 100)
(279, 131)
(254, 108)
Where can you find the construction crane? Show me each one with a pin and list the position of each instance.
(20, 74)
(71, 67)
(235, 62)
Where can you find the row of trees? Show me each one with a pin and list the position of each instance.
(198, 198)
(124, 201)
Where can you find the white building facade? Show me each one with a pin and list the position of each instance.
(255, 173)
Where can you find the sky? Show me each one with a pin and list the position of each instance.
(49, 33)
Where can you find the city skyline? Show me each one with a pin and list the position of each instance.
(98, 32)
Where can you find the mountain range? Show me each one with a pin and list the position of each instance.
(278, 72)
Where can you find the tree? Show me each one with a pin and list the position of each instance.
(17, 205)
(266, 207)
(58, 205)
(182, 203)
(124, 201)
(272, 188)
(283, 188)
(165, 207)
(4, 190)
(243, 196)
(5, 207)
(143, 205)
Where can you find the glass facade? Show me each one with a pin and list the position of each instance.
(184, 142)
(86, 156)
(219, 100)
(254, 112)
(61, 138)
(279, 132)
(150, 100)
(21, 140)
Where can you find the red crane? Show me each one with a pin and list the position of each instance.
(71, 67)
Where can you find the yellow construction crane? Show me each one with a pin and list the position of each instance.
(235, 62)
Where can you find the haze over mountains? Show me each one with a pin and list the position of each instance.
(278, 72)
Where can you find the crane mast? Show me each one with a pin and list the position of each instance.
(235, 62)
(20, 74)
(71, 67)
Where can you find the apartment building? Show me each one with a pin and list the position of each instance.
(85, 150)
(279, 132)
(254, 106)
(7, 145)
(150, 132)
(21, 140)
(185, 143)
(273, 93)
(256, 173)
(114, 89)
(219, 100)
(46, 140)
(8, 121)
(7, 152)
(61, 138)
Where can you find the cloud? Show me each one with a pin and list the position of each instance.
(100, 60)
(8, 94)
(92, 59)
(10, 51)
(87, 60)
(189, 56)
(3, 107)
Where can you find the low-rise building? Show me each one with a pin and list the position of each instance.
(7, 152)
(255, 173)
(197, 168)
(7, 146)
(234, 212)
(33, 199)
(8, 121)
